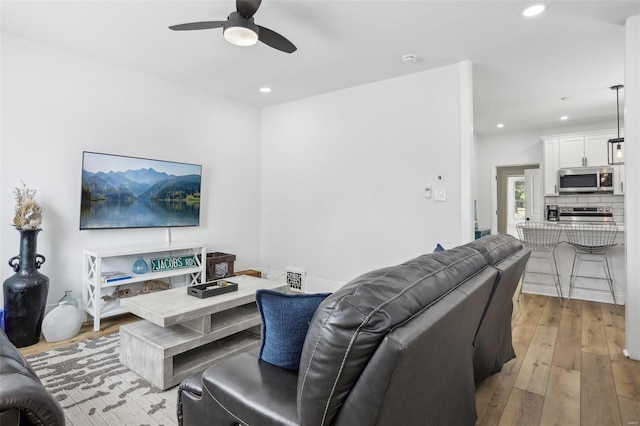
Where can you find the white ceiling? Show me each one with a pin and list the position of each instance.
(522, 67)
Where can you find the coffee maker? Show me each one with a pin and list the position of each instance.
(552, 212)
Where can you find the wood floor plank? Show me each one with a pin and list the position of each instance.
(587, 304)
(533, 310)
(629, 411)
(598, 392)
(534, 373)
(562, 400)
(521, 335)
(567, 353)
(551, 313)
(610, 318)
(615, 341)
(494, 392)
(523, 408)
(594, 339)
(626, 374)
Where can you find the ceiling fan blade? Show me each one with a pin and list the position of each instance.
(247, 8)
(275, 40)
(197, 26)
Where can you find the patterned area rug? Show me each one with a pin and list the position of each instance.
(95, 389)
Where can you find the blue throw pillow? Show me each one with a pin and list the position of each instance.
(285, 320)
(438, 248)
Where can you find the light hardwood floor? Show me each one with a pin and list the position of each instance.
(569, 368)
(109, 325)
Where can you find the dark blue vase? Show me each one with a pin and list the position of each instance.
(25, 293)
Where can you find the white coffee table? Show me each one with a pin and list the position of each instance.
(182, 334)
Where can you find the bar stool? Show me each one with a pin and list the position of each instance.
(593, 240)
(543, 238)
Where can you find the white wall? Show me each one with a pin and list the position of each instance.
(632, 198)
(56, 105)
(507, 149)
(343, 174)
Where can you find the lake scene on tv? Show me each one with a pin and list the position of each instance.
(130, 192)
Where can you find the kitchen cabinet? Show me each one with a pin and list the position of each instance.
(583, 151)
(550, 167)
(618, 180)
(587, 149)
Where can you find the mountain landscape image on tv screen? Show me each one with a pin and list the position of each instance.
(130, 192)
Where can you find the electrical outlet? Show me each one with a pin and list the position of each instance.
(296, 278)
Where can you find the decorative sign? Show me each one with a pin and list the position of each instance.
(176, 262)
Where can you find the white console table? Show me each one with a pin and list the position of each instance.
(97, 261)
(182, 334)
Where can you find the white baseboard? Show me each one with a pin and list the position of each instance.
(578, 293)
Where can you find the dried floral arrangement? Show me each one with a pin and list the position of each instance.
(28, 211)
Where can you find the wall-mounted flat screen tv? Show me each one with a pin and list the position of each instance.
(131, 192)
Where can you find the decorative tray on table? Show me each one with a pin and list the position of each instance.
(212, 288)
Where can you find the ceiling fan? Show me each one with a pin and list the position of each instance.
(240, 28)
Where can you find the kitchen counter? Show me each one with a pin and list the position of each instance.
(567, 224)
(591, 288)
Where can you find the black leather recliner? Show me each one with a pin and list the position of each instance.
(394, 346)
(492, 346)
(23, 398)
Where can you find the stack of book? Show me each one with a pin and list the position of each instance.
(109, 277)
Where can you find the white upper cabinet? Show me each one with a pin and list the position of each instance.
(571, 152)
(583, 151)
(595, 150)
(577, 150)
(550, 173)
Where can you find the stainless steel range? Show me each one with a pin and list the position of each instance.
(586, 214)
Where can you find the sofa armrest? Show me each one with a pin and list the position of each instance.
(25, 395)
(22, 395)
(239, 390)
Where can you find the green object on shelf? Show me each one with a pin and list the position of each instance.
(481, 232)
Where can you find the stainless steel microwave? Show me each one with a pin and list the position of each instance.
(585, 180)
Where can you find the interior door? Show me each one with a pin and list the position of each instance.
(511, 197)
(533, 195)
(516, 211)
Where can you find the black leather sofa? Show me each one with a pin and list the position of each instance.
(23, 398)
(493, 343)
(393, 346)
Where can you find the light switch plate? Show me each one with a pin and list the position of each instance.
(440, 194)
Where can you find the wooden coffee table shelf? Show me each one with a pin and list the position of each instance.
(182, 335)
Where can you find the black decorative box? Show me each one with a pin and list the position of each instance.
(212, 288)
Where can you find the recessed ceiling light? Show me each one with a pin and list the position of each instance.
(534, 10)
(564, 117)
(500, 126)
(265, 89)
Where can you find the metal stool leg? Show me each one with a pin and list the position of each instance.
(577, 258)
(524, 273)
(610, 281)
(556, 275)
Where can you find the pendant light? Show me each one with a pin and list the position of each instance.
(615, 155)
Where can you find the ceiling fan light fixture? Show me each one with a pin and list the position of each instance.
(240, 36)
(240, 31)
(534, 10)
